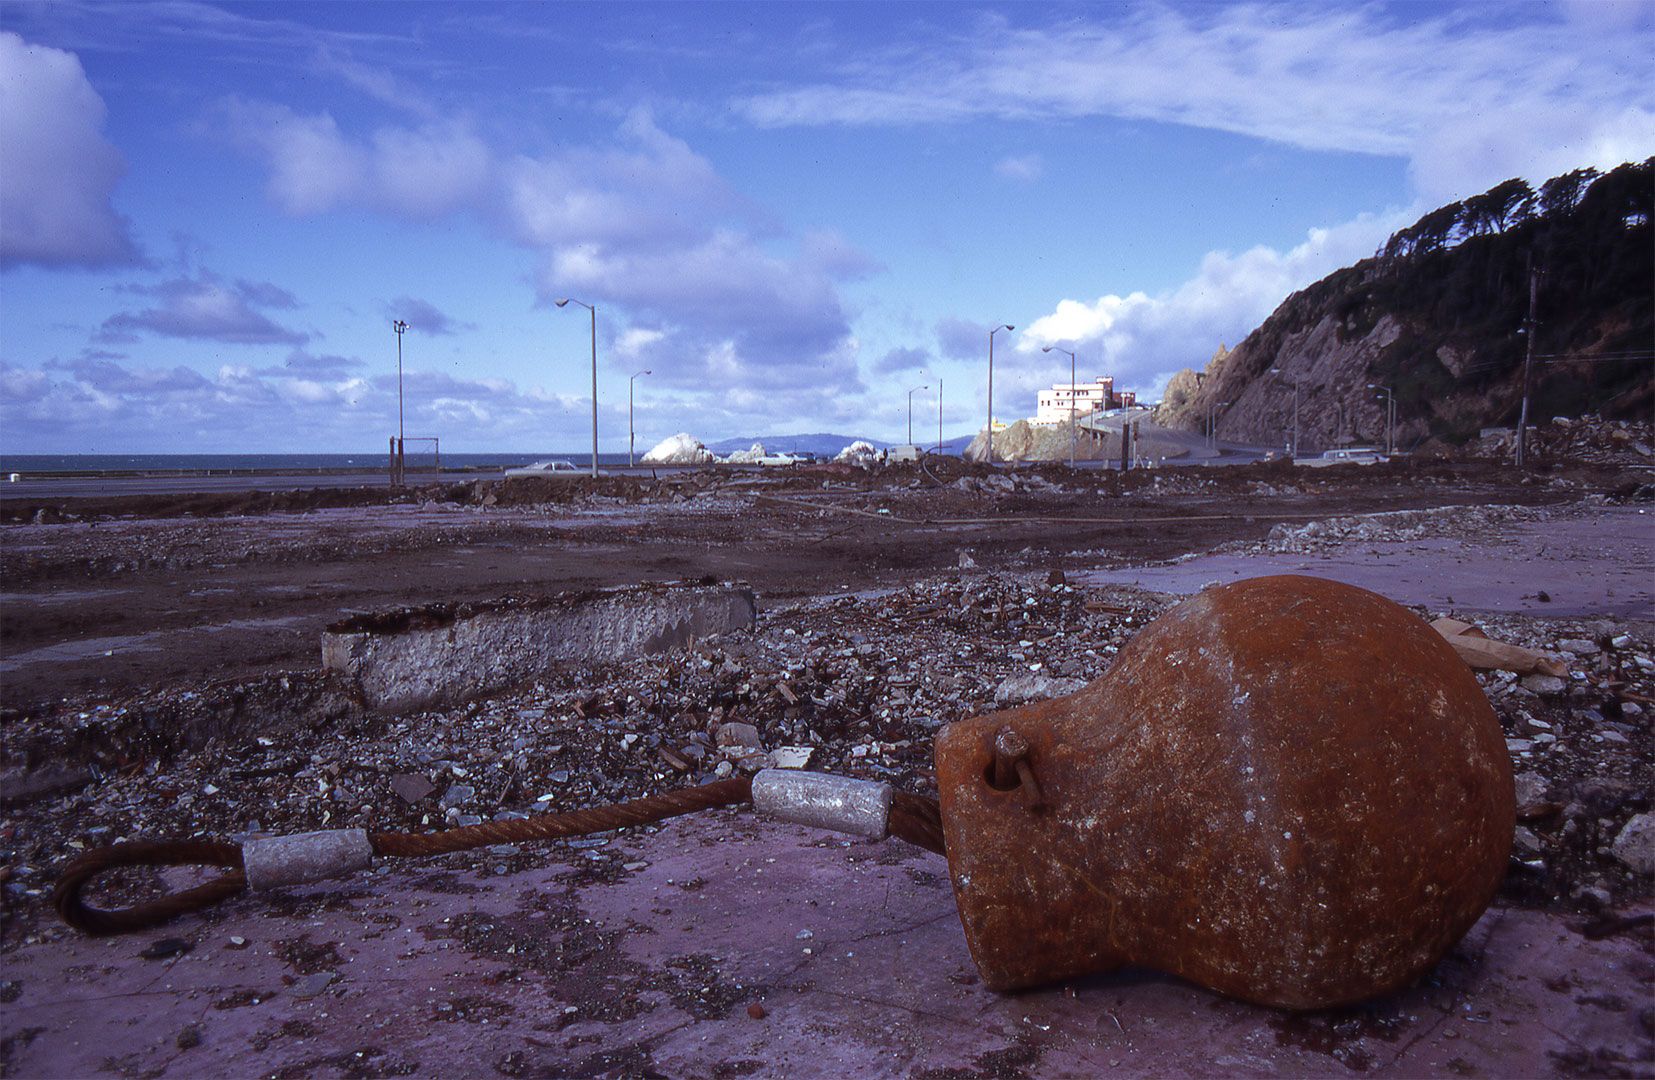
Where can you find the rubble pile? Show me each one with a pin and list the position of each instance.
(1391, 526)
(855, 684)
(1588, 438)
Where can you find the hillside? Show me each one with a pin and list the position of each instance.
(1437, 315)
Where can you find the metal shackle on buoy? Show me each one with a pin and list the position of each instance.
(1287, 789)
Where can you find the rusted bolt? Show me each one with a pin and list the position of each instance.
(1011, 766)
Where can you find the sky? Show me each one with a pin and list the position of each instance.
(789, 214)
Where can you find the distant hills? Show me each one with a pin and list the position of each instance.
(1437, 317)
(822, 444)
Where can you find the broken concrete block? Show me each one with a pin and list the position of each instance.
(443, 653)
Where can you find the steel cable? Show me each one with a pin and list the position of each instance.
(913, 818)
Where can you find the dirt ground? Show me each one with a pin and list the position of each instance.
(114, 594)
(159, 661)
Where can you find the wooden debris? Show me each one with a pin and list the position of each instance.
(1483, 653)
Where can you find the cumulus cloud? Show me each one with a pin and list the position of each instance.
(1027, 168)
(423, 316)
(961, 339)
(1144, 339)
(422, 172)
(89, 405)
(641, 225)
(60, 171)
(1468, 102)
(207, 308)
(902, 360)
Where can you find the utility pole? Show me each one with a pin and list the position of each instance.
(1528, 367)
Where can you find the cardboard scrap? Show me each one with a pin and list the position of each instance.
(1484, 653)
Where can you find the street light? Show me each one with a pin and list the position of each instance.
(1390, 416)
(991, 333)
(911, 411)
(629, 435)
(401, 328)
(594, 311)
(939, 414)
(1278, 371)
(1049, 348)
(1212, 422)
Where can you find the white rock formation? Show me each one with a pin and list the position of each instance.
(680, 449)
(859, 453)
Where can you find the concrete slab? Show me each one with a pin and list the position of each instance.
(722, 945)
(445, 653)
(1598, 566)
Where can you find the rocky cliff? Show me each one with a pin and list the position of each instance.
(1437, 316)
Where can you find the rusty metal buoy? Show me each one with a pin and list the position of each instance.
(1287, 789)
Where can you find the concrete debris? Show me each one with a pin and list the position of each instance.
(1635, 844)
(412, 659)
(859, 453)
(1021, 688)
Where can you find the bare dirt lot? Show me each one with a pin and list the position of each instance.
(160, 663)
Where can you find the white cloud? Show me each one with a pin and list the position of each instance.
(641, 223)
(100, 404)
(206, 307)
(421, 172)
(59, 170)
(1027, 168)
(1526, 95)
(1144, 339)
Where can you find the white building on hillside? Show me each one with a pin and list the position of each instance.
(1055, 404)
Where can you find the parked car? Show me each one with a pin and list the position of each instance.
(1350, 455)
(780, 459)
(543, 468)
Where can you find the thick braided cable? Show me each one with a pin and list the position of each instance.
(913, 818)
(570, 823)
(98, 922)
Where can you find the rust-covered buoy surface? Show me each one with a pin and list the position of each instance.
(1287, 789)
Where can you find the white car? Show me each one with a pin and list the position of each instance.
(1353, 455)
(543, 468)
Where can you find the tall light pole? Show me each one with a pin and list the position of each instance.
(594, 311)
(911, 393)
(991, 333)
(1278, 371)
(1390, 416)
(939, 414)
(1049, 348)
(401, 328)
(629, 434)
(1212, 422)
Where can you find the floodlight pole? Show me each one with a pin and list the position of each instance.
(1049, 348)
(593, 309)
(400, 327)
(911, 412)
(630, 438)
(1004, 326)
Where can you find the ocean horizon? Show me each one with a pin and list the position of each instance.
(115, 463)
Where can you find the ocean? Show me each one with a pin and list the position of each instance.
(232, 463)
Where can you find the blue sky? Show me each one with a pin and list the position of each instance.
(789, 213)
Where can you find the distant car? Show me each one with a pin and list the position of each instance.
(543, 468)
(1350, 455)
(781, 459)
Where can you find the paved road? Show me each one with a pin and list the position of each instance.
(66, 487)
